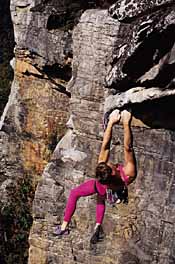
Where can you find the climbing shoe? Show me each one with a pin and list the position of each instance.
(98, 235)
(58, 232)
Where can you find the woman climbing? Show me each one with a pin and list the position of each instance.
(111, 179)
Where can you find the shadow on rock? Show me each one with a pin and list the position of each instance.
(158, 113)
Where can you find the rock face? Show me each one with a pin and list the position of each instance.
(88, 59)
(106, 53)
(147, 58)
(32, 123)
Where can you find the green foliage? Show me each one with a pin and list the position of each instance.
(17, 220)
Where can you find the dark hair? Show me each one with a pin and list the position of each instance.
(103, 173)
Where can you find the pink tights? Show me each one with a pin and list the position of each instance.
(85, 189)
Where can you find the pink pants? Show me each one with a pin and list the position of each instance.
(85, 189)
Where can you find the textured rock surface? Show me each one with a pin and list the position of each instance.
(144, 58)
(121, 57)
(125, 9)
(33, 120)
(140, 232)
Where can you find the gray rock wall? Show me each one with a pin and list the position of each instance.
(78, 61)
(142, 231)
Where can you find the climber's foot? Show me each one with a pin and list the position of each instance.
(59, 232)
(98, 235)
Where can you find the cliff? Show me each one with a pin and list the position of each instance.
(75, 62)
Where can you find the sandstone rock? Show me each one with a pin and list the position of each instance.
(124, 10)
(104, 59)
(29, 135)
(133, 232)
(146, 57)
(145, 39)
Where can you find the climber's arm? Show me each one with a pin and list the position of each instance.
(129, 157)
(105, 148)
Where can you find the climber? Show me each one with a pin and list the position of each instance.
(111, 179)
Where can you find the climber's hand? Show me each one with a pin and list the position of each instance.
(115, 117)
(126, 117)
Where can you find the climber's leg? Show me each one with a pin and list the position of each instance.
(100, 211)
(85, 189)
